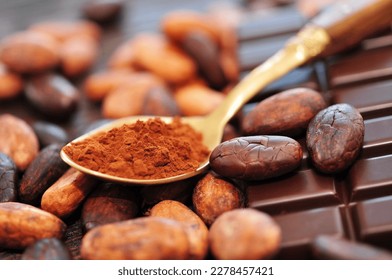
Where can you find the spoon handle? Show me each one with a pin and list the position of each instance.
(342, 25)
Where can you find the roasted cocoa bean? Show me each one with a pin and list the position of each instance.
(334, 248)
(110, 203)
(29, 52)
(206, 54)
(180, 191)
(102, 11)
(286, 113)
(196, 229)
(334, 138)
(244, 234)
(50, 133)
(47, 249)
(256, 157)
(52, 94)
(160, 102)
(214, 195)
(46, 168)
(67, 193)
(18, 140)
(21, 225)
(8, 179)
(144, 238)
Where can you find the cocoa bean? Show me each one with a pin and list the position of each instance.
(8, 179)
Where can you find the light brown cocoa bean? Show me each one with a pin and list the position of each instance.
(21, 225)
(63, 30)
(77, 55)
(145, 238)
(67, 193)
(46, 168)
(155, 53)
(18, 140)
(244, 234)
(98, 85)
(110, 203)
(11, 84)
(29, 52)
(214, 195)
(195, 99)
(129, 98)
(178, 24)
(196, 229)
(47, 249)
(286, 113)
(122, 57)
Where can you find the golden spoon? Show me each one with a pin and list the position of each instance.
(339, 27)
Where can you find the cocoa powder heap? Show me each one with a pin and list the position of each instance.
(143, 150)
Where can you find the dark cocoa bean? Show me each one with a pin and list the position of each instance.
(286, 113)
(52, 94)
(49, 133)
(46, 168)
(334, 138)
(110, 203)
(47, 249)
(180, 191)
(204, 50)
(102, 11)
(334, 248)
(159, 101)
(256, 157)
(8, 179)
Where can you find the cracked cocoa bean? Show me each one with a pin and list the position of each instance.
(8, 179)
(256, 157)
(46, 168)
(334, 138)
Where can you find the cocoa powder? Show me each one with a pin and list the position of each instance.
(143, 150)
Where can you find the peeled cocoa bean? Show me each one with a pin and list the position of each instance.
(244, 234)
(46, 168)
(18, 140)
(21, 225)
(11, 84)
(110, 203)
(52, 94)
(196, 229)
(286, 113)
(256, 157)
(334, 138)
(47, 249)
(67, 193)
(158, 55)
(146, 238)
(29, 52)
(214, 195)
(8, 179)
